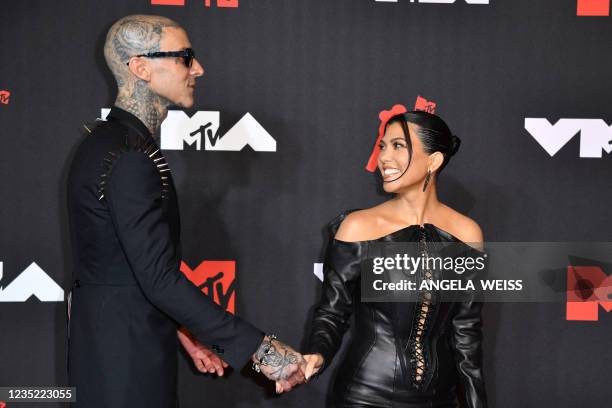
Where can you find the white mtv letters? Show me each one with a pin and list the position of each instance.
(595, 135)
(33, 281)
(178, 129)
(317, 269)
(247, 131)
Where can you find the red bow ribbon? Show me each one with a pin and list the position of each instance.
(384, 117)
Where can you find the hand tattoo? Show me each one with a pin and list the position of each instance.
(279, 362)
(277, 356)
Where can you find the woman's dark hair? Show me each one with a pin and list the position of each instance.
(433, 133)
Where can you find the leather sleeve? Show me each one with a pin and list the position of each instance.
(332, 315)
(133, 194)
(467, 342)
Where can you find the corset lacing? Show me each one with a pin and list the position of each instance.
(418, 359)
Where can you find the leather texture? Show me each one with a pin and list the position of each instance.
(380, 366)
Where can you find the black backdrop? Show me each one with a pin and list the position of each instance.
(315, 74)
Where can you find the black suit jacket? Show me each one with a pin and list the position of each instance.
(129, 296)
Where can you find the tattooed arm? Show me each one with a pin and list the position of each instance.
(279, 362)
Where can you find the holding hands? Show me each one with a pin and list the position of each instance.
(276, 360)
(279, 362)
(314, 362)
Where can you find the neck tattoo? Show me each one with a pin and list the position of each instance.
(138, 99)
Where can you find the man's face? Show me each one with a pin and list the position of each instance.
(170, 77)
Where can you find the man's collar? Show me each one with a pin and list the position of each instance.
(130, 120)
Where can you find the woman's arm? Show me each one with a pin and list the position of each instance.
(331, 318)
(467, 333)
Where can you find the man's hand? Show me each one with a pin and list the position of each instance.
(280, 363)
(205, 360)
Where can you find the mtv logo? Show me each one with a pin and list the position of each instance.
(595, 135)
(178, 130)
(593, 8)
(216, 279)
(247, 131)
(588, 287)
(318, 271)
(33, 281)
(423, 104)
(4, 97)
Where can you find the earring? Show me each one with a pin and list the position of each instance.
(426, 180)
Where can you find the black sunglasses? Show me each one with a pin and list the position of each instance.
(188, 55)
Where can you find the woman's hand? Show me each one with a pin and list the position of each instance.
(314, 362)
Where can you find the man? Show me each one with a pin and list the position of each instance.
(130, 297)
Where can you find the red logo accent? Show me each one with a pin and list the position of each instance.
(384, 117)
(216, 279)
(223, 3)
(207, 3)
(4, 99)
(587, 287)
(593, 8)
(2, 404)
(423, 104)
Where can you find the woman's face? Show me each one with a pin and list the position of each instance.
(394, 156)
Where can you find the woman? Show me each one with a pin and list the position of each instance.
(415, 354)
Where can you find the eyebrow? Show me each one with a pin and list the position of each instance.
(394, 139)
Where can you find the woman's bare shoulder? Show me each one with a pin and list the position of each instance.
(463, 227)
(358, 225)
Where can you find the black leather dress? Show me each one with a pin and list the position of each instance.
(416, 355)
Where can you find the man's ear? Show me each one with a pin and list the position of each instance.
(140, 69)
(435, 161)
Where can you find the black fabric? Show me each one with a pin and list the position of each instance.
(130, 296)
(373, 373)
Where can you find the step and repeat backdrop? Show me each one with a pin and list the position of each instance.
(294, 88)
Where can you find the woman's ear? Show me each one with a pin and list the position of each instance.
(435, 161)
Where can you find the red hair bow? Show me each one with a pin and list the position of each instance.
(384, 117)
